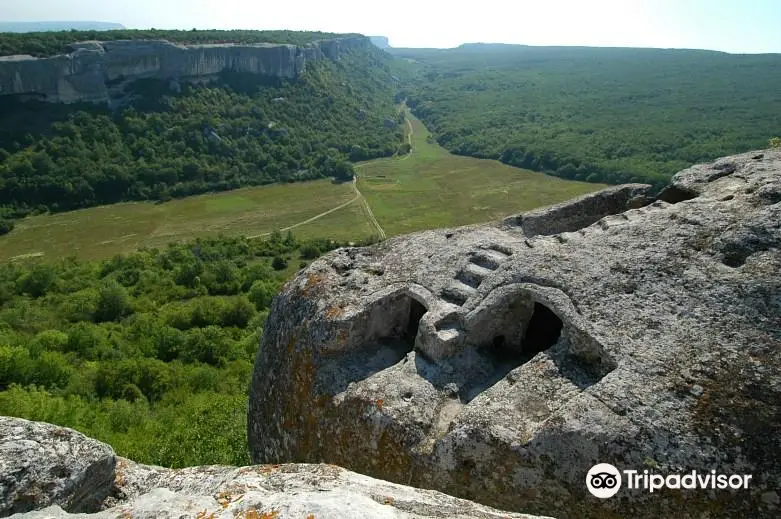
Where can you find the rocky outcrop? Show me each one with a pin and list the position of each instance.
(43, 467)
(499, 363)
(581, 212)
(98, 71)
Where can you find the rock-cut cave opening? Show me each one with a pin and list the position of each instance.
(383, 337)
(524, 329)
(542, 331)
(416, 312)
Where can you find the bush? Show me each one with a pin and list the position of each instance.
(38, 281)
(239, 314)
(279, 263)
(262, 292)
(113, 303)
(775, 142)
(49, 340)
(6, 226)
(310, 251)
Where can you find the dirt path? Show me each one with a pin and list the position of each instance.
(358, 196)
(316, 217)
(368, 209)
(409, 139)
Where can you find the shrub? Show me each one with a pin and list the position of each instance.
(6, 226)
(113, 303)
(49, 340)
(261, 293)
(279, 263)
(310, 251)
(38, 281)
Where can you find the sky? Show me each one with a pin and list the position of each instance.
(737, 26)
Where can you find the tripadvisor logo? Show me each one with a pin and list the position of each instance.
(604, 480)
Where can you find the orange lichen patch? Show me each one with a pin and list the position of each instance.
(126, 515)
(267, 469)
(203, 514)
(119, 479)
(310, 516)
(226, 498)
(304, 374)
(333, 312)
(379, 404)
(291, 344)
(312, 282)
(254, 514)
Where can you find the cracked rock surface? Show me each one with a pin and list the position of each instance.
(42, 465)
(50, 472)
(500, 362)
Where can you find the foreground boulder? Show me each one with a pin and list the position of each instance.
(43, 465)
(499, 363)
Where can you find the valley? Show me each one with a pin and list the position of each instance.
(425, 189)
(208, 237)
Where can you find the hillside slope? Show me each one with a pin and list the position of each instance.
(242, 130)
(597, 114)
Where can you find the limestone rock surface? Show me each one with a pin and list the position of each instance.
(46, 470)
(500, 362)
(42, 465)
(97, 71)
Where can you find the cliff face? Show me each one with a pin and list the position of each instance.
(97, 71)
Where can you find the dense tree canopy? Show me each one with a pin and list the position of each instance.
(42, 44)
(245, 130)
(150, 352)
(602, 115)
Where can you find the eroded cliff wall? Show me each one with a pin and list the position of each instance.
(92, 71)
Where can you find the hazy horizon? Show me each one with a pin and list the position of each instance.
(728, 26)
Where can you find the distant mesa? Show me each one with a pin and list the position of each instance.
(58, 26)
(380, 41)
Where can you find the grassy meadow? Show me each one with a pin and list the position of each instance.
(427, 189)
(433, 188)
(102, 232)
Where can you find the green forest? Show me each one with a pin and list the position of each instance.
(247, 130)
(596, 114)
(150, 352)
(50, 43)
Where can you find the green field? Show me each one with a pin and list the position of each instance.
(433, 188)
(102, 232)
(427, 189)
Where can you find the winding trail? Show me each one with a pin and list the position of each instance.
(409, 139)
(316, 217)
(368, 209)
(358, 197)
